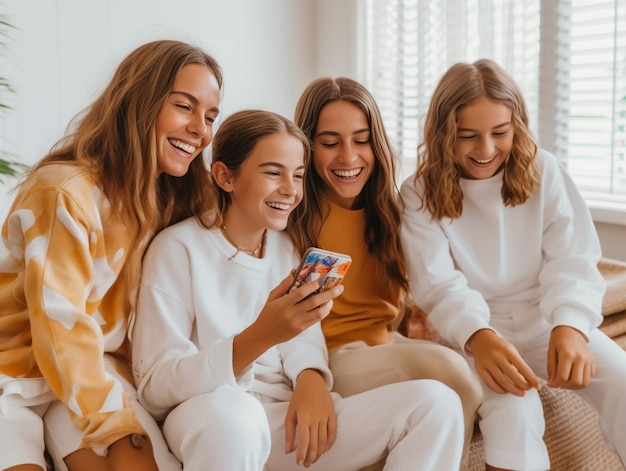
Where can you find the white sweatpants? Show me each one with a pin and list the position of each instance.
(513, 427)
(358, 367)
(416, 424)
(27, 426)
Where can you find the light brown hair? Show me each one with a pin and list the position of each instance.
(114, 138)
(379, 197)
(461, 86)
(235, 140)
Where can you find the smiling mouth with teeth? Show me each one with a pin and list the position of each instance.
(347, 173)
(182, 146)
(281, 206)
(482, 161)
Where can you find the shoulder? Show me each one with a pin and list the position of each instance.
(182, 233)
(550, 169)
(61, 178)
(63, 188)
(412, 185)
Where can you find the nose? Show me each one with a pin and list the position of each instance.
(288, 186)
(347, 154)
(485, 146)
(198, 126)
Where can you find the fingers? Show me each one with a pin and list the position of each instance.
(509, 378)
(290, 433)
(305, 294)
(573, 374)
(281, 288)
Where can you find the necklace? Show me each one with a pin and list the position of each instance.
(255, 252)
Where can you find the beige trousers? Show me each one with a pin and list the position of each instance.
(358, 367)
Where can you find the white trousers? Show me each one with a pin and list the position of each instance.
(27, 426)
(416, 424)
(358, 367)
(513, 427)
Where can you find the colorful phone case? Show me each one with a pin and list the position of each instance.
(327, 267)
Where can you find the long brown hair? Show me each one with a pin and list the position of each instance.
(380, 194)
(461, 86)
(235, 140)
(114, 139)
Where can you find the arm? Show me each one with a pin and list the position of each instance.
(311, 409)
(167, 310)
(312, 413)
(572, 287)
(460, 314)
(454, 309)
(66, 266)
(164, 355)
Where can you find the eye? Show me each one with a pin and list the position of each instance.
(500, 134)
(466, 137)
(362, 143)
(183, 106)
(298, 176)
(329, 144)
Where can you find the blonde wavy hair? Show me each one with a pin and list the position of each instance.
(379, 197)
(114, 139)
(461, 86)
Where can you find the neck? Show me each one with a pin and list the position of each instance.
(252, 250)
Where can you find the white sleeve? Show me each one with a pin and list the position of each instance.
(572, 287)
(164, 356)
(454, 309)
(306, 351)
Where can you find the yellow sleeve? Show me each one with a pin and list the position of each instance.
(63, 276)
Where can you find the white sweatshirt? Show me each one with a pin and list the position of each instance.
(192, 302)
(495, 257)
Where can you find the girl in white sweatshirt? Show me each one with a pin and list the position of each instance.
(237, 366)
(502, 254)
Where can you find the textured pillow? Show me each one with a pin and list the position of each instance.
(614, 272)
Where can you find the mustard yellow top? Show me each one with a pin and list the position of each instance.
(60, 305)
(366, 307)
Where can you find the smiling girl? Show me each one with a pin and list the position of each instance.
(239, 372)
(75, 236)
(502, 254)
(352, 206)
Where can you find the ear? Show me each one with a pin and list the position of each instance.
(222, 176)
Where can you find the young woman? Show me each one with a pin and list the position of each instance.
(239, 371)
(75, 235)
(502, 253)
(352, 206)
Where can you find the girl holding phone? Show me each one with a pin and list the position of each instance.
(239, 373)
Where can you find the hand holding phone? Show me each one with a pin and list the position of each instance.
(327, 267)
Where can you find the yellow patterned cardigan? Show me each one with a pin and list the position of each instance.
(60, 306)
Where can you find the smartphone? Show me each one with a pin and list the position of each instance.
(327, 267)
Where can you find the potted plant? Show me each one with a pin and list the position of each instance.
(9, 167)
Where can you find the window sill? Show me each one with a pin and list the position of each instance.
(605, 210)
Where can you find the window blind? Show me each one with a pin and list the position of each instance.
(597, 101)
(574, 79)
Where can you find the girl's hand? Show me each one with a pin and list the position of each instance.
(500, 365)
(570, 363)
(312, 413)
(284, 316)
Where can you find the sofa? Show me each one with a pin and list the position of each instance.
(572, 435)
